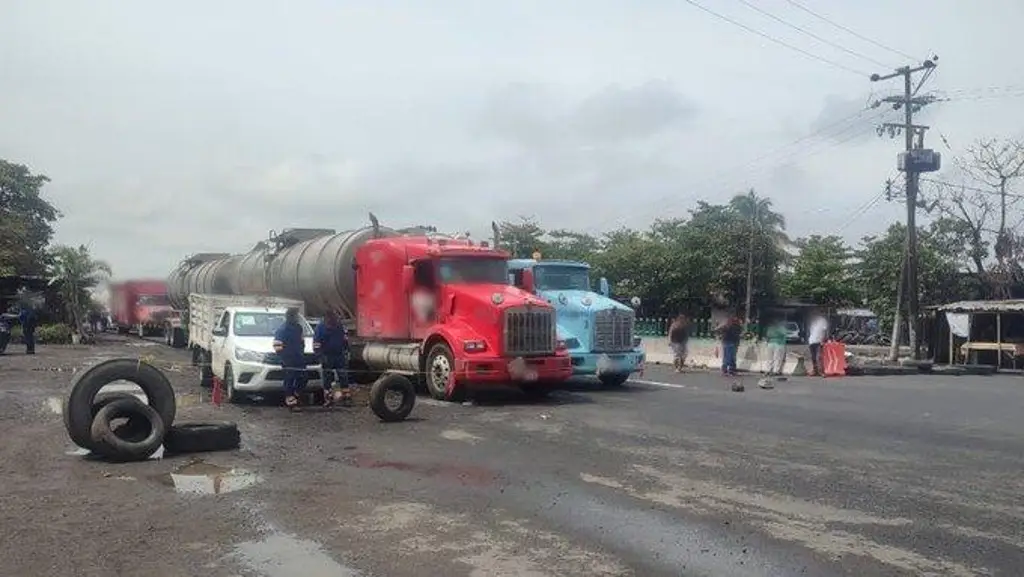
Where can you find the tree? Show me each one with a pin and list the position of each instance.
(568, 245)
(522, 238)
(821, 273)
(75, 271)
(26, 220)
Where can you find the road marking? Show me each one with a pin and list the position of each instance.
(657, 384)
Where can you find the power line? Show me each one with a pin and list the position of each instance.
(811, 34)
(971, 188)
(851, 32)
(771, 38)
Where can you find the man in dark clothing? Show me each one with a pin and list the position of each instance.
(290, 344)
(731, 332)
(28, 320)
(331, 342)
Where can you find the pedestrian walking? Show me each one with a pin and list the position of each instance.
(731, 334)
(678, 339)
(29, 320)
(776, 337)
(290, 345)
(330, 341)
(816, 335)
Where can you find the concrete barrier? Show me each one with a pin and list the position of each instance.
(706, 354)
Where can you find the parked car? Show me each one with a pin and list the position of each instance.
(793, 332)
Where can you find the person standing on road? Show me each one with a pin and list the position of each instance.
(816, 335)
(776, 337)
(290, 345)
(732, 332)
(28, 319)
(331, 342)
(678, 338)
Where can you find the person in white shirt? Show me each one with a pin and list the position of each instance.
(816, 335)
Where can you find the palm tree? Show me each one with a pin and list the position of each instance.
(75, 271)
(757, 211)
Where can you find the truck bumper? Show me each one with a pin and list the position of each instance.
(260, 378)
(519, 371)
(592, 364)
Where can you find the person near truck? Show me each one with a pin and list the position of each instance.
(776, 337)
(678, 337)
(290, 345)
(816, 335)
(28, 319)
(330, 341)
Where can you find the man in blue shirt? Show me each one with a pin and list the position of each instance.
(331, 342)
(28, 321)
(290, 345)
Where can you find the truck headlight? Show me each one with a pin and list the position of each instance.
(474, 346)
(247, 356)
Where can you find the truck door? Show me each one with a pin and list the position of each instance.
(219, 343)
(423, 300)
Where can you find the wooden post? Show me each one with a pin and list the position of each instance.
(999, 340)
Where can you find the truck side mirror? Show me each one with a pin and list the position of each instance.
(219, 332)
(603, 287)
(408, 278)
(528, 280)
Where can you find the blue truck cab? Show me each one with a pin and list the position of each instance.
(596, 330)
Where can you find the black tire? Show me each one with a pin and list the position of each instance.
(86, 384)
(392, 383)
(205, 370)
(202, 438)
(177, 337)
(536, 391)
(436, 382)
(136, 429)
(230, 393)
(613, 379)
(110, 445)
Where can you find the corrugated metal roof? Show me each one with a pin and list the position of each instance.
(1007, 306)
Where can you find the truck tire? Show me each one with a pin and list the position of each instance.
(230, 393)
(135, 429)
(108, 444)
(382, 392)
(205, 370)
(439, 368)
(613, 379)
(536, 391)
(202, 437)
(86, 384)
(177, 337)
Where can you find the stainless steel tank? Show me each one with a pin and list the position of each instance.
(319, 271)
(251, 274)
(193, 273)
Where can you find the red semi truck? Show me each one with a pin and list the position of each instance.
(139, 306)
(434, 308)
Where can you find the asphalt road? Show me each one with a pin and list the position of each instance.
(671, 475)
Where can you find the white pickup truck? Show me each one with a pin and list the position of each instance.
(232, 338)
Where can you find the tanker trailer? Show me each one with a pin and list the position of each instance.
(430, 307)
(189, 276)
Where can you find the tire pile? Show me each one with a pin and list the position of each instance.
(120, 427)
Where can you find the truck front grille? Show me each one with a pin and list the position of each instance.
(529, 331)
(613, 330)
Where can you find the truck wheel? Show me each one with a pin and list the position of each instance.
(392, 397)
(78, 412)
(107, 443)
(177, 337)
(229, 385)
(614, 379)
(440, 368)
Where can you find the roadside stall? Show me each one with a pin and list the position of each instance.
(980, 332)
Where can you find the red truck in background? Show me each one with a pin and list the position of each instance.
(139, 306)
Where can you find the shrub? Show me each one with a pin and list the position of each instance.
(56, 334)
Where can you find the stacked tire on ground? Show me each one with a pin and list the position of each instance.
(121, 427)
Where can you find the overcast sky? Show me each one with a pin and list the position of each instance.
(173, 128)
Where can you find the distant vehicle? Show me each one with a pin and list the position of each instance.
(792, 332)
(139, 306)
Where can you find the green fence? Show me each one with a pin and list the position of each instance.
(701, 328)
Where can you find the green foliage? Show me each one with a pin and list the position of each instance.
(821, 273)
(75, 271)
(56, 334)
(26, 220)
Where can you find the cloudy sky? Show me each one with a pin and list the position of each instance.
(172, 128)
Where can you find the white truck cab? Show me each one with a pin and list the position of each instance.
(236, 335)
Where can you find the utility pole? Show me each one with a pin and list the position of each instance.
(750, 258)
(912, 166)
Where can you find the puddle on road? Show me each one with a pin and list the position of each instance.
(281, 555)
(202, 478)
(463, 474)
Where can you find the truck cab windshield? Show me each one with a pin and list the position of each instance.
(551, 277)
(263, 324)
(153, 300)
(468, 270)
